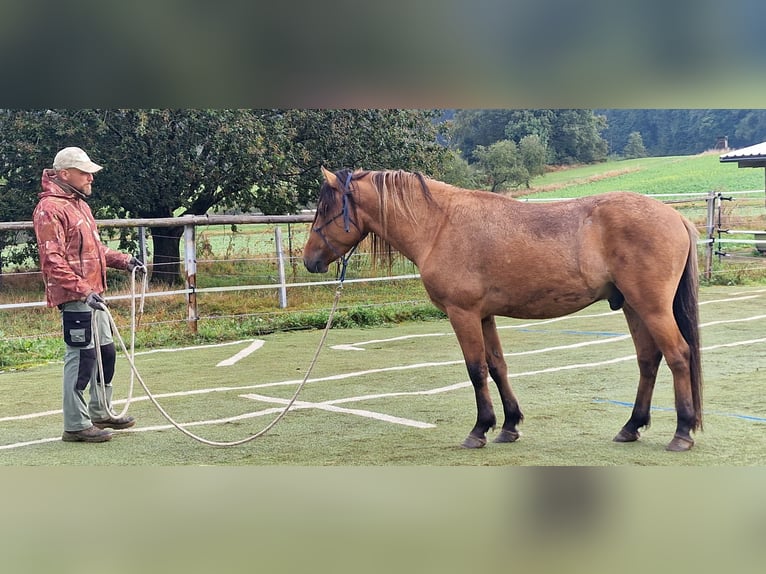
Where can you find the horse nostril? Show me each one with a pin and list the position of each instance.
(314, 266)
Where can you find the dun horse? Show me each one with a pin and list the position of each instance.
(482, 255)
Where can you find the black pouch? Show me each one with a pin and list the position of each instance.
(77, 328)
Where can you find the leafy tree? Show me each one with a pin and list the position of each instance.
(538, 123)
(501, 165)
(457, 171)
(575, 137)
(161, 163)
(532, 154)
(19, 186)
(364, 139)
(682, 131)
(158, 163)
(471, 128)
(506, 165)
(635, 146)
(750, 129)
(569, 136)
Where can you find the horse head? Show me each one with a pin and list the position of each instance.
(335, 230)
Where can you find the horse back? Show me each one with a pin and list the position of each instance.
(545, 260)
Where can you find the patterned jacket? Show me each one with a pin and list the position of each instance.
(72, 257)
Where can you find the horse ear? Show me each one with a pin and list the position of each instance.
(330, 177)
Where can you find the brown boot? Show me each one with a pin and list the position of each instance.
(90, 434)
(121, 423)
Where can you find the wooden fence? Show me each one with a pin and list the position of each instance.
(190, 225)
(714, 238)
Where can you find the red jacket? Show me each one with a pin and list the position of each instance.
(72, 257)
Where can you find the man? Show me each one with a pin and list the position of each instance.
(73, 261)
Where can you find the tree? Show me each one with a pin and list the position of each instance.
(569, 136)
(19, 185)
(500, 164)
(681, 131)
(750, 129)
(165, 163)
(635, 146)
(458, 172)
(523, 123)
(576, 137)
(471, 128)
(364, 139)
(158, 163)
(532, 154)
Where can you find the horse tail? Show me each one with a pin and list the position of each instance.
(686, 313)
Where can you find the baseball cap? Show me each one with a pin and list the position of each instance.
(76, 158)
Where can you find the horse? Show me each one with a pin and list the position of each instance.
(482, 255)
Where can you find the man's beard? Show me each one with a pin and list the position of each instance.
(68, 187)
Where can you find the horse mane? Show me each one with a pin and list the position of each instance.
(397, 192)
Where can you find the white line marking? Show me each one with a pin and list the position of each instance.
(329, 406)
(726, 321)
(601, 341)
(356, 346)
(30, 416)
(557, 319)
(28, 443)
(737, 344)
(756, 291)
(354, 374)
(193, 348)
(729, 300)
(254, 346)
(374, 371)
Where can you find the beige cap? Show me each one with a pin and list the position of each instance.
(76, 158)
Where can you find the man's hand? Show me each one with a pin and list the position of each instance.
(96, 301)
(136, 264)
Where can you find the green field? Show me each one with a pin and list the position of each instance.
(401, 396)
(245, 255)
(655, 175)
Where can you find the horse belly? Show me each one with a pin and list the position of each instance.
(543, 302)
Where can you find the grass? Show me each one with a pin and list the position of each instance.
(244, 255)
(575, 398)
(657, 175)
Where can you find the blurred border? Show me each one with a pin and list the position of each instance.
(565, 519)
(453, 54)
(450, 54)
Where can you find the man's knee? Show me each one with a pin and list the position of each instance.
(85, 368)
(108, 359)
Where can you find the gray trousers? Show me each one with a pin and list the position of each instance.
(81, 365)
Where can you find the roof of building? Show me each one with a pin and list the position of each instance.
(751, 156)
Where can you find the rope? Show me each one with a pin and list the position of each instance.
(134, 370)
(100, 383)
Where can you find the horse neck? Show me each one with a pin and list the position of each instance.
(409, 227)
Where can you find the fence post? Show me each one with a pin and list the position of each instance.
(710, 228)
(142, 245)
(190, 263)
(280, 267)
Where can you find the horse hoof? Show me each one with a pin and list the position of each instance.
(680, 444)
(627, 436)
(507, 436)
(473, 442)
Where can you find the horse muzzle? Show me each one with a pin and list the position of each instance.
(315, 265)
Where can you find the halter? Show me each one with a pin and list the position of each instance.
(347, 223)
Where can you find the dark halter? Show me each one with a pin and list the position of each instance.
(345, 213)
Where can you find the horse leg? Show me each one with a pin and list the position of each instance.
(467, 328)
(663, 330)
(649, 356)
(678, 358)
(498, 370)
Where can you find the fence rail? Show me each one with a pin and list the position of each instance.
(712, 239)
